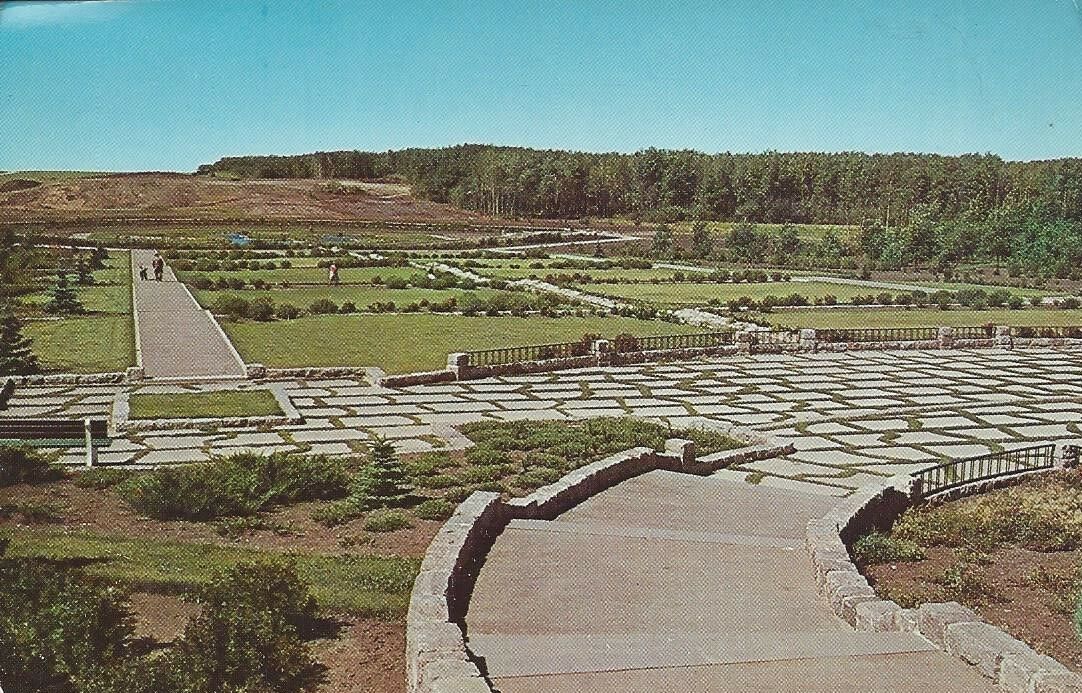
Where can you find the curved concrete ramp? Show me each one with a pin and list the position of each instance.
(671, 582)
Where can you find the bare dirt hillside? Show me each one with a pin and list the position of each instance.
(169, 196)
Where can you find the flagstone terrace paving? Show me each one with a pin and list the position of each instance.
(854, 417)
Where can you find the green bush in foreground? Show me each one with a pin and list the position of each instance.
(1042, 515)
(101, 478)
(25, 465)
(434, 509)
(241, 484)
(386, 521)
(882, 548)
(57, 627)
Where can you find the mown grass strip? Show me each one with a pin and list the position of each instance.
(371, 586)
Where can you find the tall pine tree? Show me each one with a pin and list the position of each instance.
(16, 357)
(383, 483)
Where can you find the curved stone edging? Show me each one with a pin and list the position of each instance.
(1013, 665)
(438, 660)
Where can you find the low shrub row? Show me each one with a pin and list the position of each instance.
(506, 302)
(238, 485)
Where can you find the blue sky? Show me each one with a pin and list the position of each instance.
(170, 84)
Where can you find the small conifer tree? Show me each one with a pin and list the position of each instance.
(383, 483)
(63, 299)
(16, 357)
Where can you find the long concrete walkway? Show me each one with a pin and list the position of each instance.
(176, 337)
(672, 582)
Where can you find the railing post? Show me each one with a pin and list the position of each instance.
(1003, 337)
(91, 453)
(946, 337)
(744, 341)
(808, 341)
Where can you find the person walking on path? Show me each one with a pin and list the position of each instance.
(333, 272)
(143, 272)
(159, 267)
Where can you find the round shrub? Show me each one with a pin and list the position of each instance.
(386, 521)
(483, 474)
(437, 481)
(232, 306)
(536, 477)
(434, 509)
(261, 309)
(286, 311)
(323, 306)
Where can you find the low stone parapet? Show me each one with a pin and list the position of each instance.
(69, 379)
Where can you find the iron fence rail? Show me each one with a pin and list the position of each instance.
(879, 334)
(1049, 332)
(535, 352)
(702, 340)
(956, 473)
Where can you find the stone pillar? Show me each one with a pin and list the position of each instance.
(459, 364)
(684, 450)
(744, 340)
(1069, 454)
(600, 346)
(255, 371)
(134, 374)
(946, 337)
(1003, 337)
(808, 340)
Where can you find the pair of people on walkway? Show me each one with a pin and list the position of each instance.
(159, 267)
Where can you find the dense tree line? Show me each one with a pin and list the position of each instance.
(660, 185)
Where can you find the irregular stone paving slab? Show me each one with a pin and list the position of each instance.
(331, 435)
(155, 457)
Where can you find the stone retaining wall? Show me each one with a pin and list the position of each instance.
(437, 658)
(69, 379)
(1014, 666)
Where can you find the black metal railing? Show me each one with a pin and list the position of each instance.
(879, 334)
(704, 340)
(535, 352)
(982, 332)
(956, 473)
(1049, 332)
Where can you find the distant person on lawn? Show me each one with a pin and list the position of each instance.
(333, 271)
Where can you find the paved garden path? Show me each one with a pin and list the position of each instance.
(672, 582)
(176, 337)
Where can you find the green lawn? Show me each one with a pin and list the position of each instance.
(691, 293)
(204, 404)
(84, 344)
(361, 295)
(110, 292)
(927, 317)
(309, 275)
(414, 342)
(376, 586)
(101, 341)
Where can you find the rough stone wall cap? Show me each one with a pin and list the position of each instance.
(933, 619)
